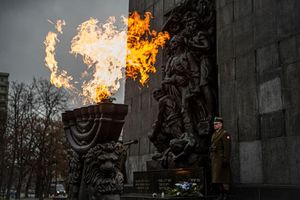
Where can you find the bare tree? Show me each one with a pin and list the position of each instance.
(51, 101)
(15, 126)
(35, 138)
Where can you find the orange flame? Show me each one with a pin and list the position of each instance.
(108, 52)
(56, 78)
(142, 46)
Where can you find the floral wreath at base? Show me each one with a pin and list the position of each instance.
(184, 189)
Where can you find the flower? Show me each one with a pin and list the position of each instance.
(154, 195)
(184, 189)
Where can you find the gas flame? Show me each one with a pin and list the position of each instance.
(142, 44)
(57, 78)
(110, 53)
(103, 49)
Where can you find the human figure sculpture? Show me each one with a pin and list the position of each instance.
(168, 124)
(188, 78)
(199, 56)
(177, 73)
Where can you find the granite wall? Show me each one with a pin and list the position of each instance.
(258, 44)
(258, 56)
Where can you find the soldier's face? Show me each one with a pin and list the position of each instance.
(217, 125)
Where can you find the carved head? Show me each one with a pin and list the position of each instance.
(191, 20)
(176, 42)
(158, 93)
(203, 7)
(102, 168)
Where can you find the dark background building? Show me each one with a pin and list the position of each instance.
(258, 57)
(4, 84)
(3, 92)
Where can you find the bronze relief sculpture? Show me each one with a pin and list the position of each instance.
(188, 94)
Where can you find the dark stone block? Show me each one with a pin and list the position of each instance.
(225, 44)
(242, 8)
(247, 113)
(132, 5)
(267, 58)
(250, 162)
(158, 13)
(288, 50)
(227, 72)
(148, 3)
(285, 16)
(132, 88)
(264, 28)
(270, 98)
(272, 125)
(228, 101)
(134, 150)
(227, 92)
(269, 75)
(269, 192)
(245, 69)
(292, 86)
(225, 15)
(297, 16)
(244, 35)
(275, 161)
(222, 3)
(293, 144)
(280, 194)
(144, 145)
(246, 194)
(168, 5)
(267, 6)
(292, 121)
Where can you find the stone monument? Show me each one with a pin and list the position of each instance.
(96, 156)
(187, 101)
(187, 97)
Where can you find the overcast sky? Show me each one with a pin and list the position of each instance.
(24, 25)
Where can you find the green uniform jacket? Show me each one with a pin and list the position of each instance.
(220, 156)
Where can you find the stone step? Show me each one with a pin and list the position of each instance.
(144, 196)
(128, 189)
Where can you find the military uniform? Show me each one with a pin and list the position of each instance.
(220, 156)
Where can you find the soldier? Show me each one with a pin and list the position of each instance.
(220, 158)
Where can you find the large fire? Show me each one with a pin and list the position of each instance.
(110, 53)
(142, 44)
(57, 78)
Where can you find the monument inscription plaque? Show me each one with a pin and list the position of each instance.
(161, 180)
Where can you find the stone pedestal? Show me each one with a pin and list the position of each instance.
(96, 158)
(161, 180)
(155, 182)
